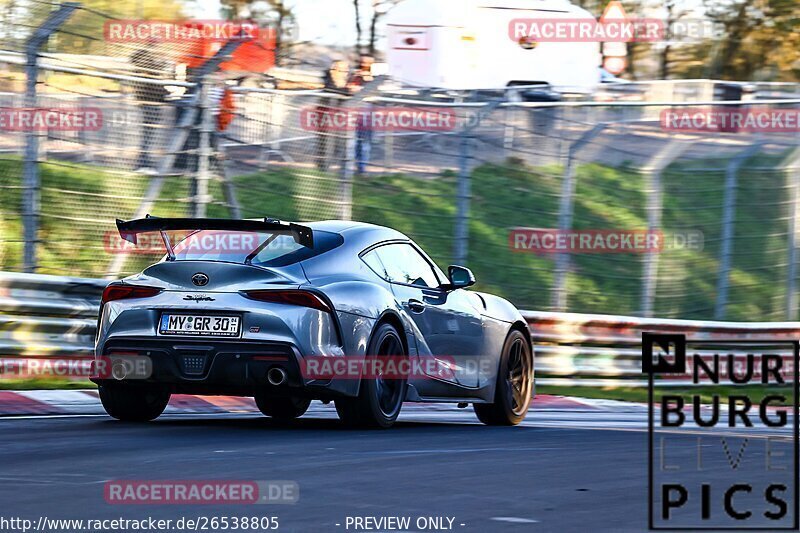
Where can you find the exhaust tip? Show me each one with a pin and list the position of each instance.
(276, 376)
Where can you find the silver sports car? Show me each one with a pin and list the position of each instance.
(335, 311)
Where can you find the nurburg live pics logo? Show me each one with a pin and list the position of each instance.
(724, 455)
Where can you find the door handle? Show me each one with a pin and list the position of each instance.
(416, 306)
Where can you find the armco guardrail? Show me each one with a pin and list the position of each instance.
(596, 350)
(48, 316)
(53, 316)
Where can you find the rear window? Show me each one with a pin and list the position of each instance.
(260, 249)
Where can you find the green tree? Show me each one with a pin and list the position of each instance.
(760, 39)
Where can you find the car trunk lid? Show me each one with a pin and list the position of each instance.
(213, 276)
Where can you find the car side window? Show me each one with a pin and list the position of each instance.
(402, 263)
(374, 262)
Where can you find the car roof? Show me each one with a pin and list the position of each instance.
(334, 226)
(360, 231)
(358, 237)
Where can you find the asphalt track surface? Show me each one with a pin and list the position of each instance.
(562, 470)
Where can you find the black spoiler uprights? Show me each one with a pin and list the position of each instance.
(303, 235)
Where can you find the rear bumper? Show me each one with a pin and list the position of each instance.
(206, 366)
(271, 335)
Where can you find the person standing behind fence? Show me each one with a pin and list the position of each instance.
(150, 97)
(335, 80)
(364, 123)
(224, 111)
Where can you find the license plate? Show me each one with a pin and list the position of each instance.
(199, 325)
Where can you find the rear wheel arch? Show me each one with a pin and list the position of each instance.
(388, 317)
(395, 321)
(367, 408)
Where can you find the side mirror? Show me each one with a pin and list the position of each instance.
(460, 277)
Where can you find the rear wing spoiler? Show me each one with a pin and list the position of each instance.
(303, 235)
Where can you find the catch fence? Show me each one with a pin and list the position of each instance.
(505, 163)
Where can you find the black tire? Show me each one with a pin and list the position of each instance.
(514, 384)
(133, 404)
(379, 400)
(282, 408)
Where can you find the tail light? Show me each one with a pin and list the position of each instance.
(125, 292)
(301, 298)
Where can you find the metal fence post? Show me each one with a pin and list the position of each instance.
(509, 130)
(464, 186)
(201, 198)
(463, 197)
(728, 223)
(348, 167)
(30, 166)
(565, 211)
(348, 171)
(388, 150)
(793, 170)
(229, 190)
(654, 188)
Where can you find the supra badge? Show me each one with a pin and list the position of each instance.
(198, 298)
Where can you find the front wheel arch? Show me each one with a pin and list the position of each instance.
(523, 327)
(509, 408)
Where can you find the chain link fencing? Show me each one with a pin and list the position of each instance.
(472, 174)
